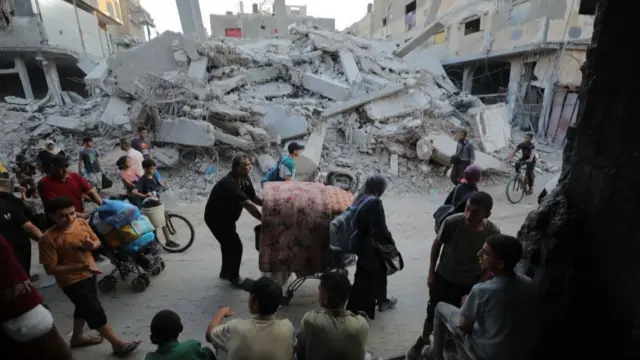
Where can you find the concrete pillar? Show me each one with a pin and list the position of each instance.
(467, 78)
(53, 81)
(513, 91)
(24, 78)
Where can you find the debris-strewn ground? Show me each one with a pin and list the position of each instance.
(357, 107)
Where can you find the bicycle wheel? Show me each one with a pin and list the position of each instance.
(179, 230)
(515, 190)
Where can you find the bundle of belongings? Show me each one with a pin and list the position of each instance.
(294, 236)
(122, 227)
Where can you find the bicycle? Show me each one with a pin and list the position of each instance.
(519, 184)
(169, 229)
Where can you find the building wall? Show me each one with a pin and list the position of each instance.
(263, 26)
(503, 24)
(361, 28)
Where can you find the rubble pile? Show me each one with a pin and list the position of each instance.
(352, 103)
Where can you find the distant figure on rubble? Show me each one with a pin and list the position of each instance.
(285, 169)
(141, 143)
(465, 155)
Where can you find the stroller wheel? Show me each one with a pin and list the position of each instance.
(146, 279)
(107, 283)
(158, 269)
(162, 265)
(139, 284)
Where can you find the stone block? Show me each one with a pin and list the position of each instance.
(491, 125)
(198, 68)
(329, 88)
(270, 90)
(309, 160)
(444, 147)
(341, 107)
(280, 123)
(260, 75)
(258, 135)
(232, 140)
(186, 132)
(349, 67)
(224, 86)
(396, 106)
(166, 157)
(97, 76)
(115, 107)
(67, 123)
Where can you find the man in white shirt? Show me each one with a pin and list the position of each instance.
(133, 154)
(263, 337)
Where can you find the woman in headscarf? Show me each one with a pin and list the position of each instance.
(46, 155)
(370, 280)
(468, 185)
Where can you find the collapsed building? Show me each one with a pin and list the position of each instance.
(354, 105)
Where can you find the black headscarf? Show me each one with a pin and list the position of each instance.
(374, 186)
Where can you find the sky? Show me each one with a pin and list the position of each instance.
(165, 12)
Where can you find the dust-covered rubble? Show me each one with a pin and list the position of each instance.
(354, 104)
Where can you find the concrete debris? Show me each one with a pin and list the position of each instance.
(352, 103)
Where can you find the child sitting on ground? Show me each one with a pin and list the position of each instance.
(166, 326)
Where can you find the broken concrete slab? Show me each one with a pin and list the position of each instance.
(198, 69)
(186, 132)
(222, 87)
(393, 165)
(265, 162)
(233, 140)
(349, 67)
(309, 160)
(491, 125)
(424, 148)
(67, 123)
(398, 105)
(260, 75)
(280, 123)
(419, 39)
(97, 76)
(128, 65)
(166, 157)
(270, 90)
(259, 135)
(339, 108)
(190, 48)
(329, 88)
(115, 107)
(444, 147)
(375, 81)
(423, 59)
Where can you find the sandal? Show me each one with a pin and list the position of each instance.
(126, 350)
(87, 341)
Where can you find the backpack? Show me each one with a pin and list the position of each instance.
(444, 211)
(273, 173)
(342, 229)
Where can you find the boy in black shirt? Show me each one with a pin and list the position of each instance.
(528, 149)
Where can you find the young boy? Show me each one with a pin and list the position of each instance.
(166, 326)
(333, 333)
(89, 160)
(65, 253)
(148, 183)
(262, 337)
(457, 267)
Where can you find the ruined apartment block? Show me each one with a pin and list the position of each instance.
(526, 53)
(47, 45)
(268, 19)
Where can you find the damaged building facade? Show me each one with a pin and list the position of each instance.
(267, 19)
(48, 45)
(526, 53)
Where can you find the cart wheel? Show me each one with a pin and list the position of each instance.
(107, 283)
(146, 279)
(162, 265)
(139, 284)
(286, 299)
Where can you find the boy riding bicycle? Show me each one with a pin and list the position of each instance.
(528, 149)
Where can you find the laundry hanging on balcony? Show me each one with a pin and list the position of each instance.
(6, 13)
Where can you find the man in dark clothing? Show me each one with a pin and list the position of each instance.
(14, 224)
(528, 149)
(227, 199)
(465, 155)
(141, 143)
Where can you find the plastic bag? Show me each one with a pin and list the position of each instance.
(142, 225)
(118, 213)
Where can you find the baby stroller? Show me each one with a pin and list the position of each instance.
(294, 234)
(139, 256)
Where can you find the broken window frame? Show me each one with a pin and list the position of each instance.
(465, 23)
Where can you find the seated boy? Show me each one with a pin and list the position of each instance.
(148, 183)
(165, 329)
(333, 332)
(262, 337)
